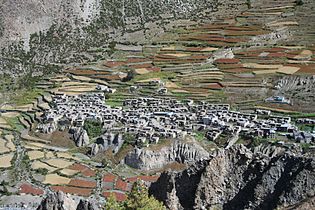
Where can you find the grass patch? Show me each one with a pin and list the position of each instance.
(302, 115)
(306, 127)
(24, 97)
(182, 96)
(93, 128)
(258, 140)
(14, 123)
(305, 146)
(115, 100)
(200, 135)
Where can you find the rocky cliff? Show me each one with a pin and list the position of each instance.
(178, 151)
(239, 178)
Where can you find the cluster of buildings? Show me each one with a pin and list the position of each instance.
(152, 119)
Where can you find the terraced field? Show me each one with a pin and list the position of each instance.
(236, 61)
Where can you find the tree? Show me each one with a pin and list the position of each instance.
(130, 76)
(139, 199)
(112, 204)
(94, 128)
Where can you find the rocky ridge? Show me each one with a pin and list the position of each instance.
(239, 178)
(178, 151)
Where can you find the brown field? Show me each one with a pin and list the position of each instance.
(85, 171)
(305, 68)
(121, 185)
(73, 190)
(86, 72)
(37, 165)
(244, 33)
(112, 64)
(59, 163)
(213, 86)
(68, 172)
(107, 77)
(55, 179)
(261, 66)
(82, 183)
(227, 61)
(66, 155)
(142, 71)
(138, 66)
(58, 138)
(49, 154)
(288, 70)
(33, 155)
(5, 160)
(259, 72)
(171, 85)
(119, 196)
(3, 148)
(29, 189)
(238, 70)
(137, 60)
(275, 109)
(109, 178)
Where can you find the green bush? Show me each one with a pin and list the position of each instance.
(258, 140)
(42, 171)
(93, 128)
(129, 138)
(138, 199)
(299, 2)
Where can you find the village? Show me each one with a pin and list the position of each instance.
(151, 119)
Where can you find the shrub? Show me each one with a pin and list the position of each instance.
(138, 199)
(93, 128)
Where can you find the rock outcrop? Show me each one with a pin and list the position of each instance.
(86, 205)
(60, 201)
(79, 136)
(47, 128)
(239, 178)
(107, 141)
(300, 89)
(178, 151)
(299, 86)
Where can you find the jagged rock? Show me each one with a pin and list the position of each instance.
(222, 53)
(95, 149)
(239, 178)
(107, 141)
(86, 205)
(57, 201)
(60, 201)
(79, 136)
(182, 152)
(47, 128)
